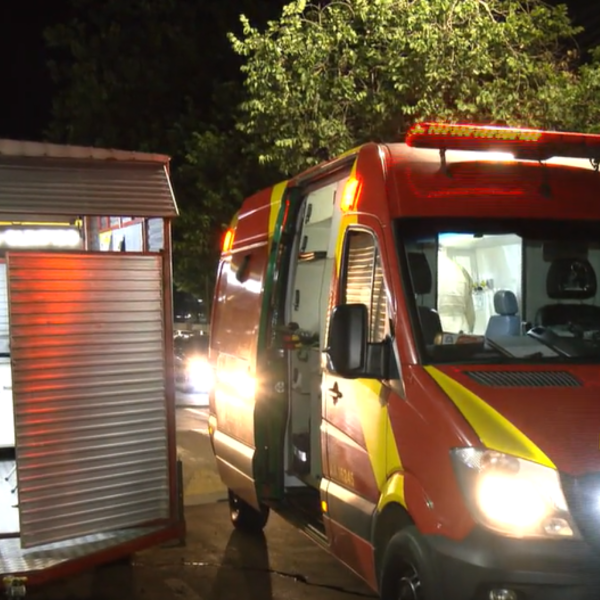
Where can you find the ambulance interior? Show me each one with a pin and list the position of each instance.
(311, 271)
(527, 295)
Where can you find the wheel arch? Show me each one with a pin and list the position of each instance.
(393, 518)
(390, 517)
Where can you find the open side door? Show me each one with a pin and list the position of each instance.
(89, 381)
(250, 401)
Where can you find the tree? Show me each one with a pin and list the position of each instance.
(222, 174)
(160, 76)
(327, 76)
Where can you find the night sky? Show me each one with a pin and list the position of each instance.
(26, 99)
(26, 90)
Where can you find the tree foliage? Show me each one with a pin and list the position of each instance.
(160, 76)
(219, 170)
(327, 76)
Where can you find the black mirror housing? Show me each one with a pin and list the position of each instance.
(349, 353)
(347, 343)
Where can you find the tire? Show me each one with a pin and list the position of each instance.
(407, 572)
(245, 517)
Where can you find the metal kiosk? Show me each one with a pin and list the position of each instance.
(88, 467)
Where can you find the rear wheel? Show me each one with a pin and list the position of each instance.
(244, 516)
(406, 573)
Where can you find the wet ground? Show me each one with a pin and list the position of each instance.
(216, 562)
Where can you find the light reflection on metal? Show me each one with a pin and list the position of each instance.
(40, 238)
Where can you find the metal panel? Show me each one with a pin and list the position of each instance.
(4, 343)
(38, 186)
(29, 149)
(89, 388)
(15, 559)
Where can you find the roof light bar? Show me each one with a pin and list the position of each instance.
(533, 144)
(447, 130)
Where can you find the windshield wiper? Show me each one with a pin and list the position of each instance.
(567, 347)
(534, 355)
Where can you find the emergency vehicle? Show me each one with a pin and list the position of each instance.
(406, 346)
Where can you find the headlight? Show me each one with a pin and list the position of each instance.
(199, 375)
(513, 496)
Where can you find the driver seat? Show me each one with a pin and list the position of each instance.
(570, 279)
(422, 280)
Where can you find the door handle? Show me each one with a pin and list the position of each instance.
(335, 393)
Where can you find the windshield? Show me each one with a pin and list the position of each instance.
(490, 291)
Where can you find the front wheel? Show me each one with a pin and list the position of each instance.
(244, 516)
(406, 573)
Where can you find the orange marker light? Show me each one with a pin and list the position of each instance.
(350, 195)
(228, 240)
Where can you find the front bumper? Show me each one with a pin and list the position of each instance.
(534, 569)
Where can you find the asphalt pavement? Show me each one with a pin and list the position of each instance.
(216, 562)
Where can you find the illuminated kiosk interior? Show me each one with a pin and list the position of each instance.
(88, 468)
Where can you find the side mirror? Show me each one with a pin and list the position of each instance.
(347, 342)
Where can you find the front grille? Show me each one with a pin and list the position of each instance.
(524, 378)
(583, 498)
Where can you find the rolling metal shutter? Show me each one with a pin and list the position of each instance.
(89, 384)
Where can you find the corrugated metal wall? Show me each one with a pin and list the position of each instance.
(89, 392)
(102, 188)
(4, 342)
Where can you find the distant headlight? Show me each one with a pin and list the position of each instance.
(513, 496)
(199, 375)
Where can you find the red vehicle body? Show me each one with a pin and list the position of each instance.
(406, 344)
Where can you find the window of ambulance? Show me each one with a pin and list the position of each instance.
(491, 290)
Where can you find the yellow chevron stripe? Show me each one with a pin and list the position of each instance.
(493, 429)
(377, 430)
(276, 198)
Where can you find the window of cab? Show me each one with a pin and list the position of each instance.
(486, 290)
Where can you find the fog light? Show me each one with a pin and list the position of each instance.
(502, 594)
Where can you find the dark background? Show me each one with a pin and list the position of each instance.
(25, 85)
